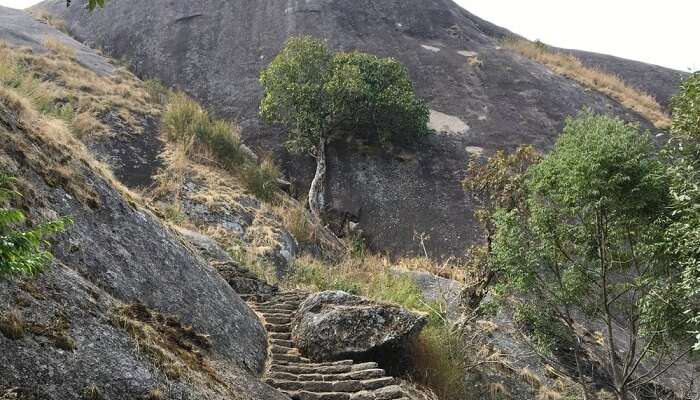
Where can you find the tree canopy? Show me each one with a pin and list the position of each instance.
(584, 238)
(320, 96)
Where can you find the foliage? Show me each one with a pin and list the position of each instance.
(262, 180)
(319, 95)
(187, 123)
(23, 251)
(682, 238)
(686, 108)
(586, 241)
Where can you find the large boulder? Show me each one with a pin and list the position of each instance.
(334, 325)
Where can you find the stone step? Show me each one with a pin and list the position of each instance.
(289, 357)
(275, 349)
(326, 363)
(386, 393)
(275, 311)
(281, 328)
(346, 386)
(278, 320)
(280, 335)
(301, 395)
(355, 375)
(279, 304)
(278, 315)
(322, 369)
(282, 342)
(276, 307)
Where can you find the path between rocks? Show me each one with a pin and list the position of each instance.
(301, 379)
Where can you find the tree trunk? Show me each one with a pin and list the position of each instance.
(317, 201)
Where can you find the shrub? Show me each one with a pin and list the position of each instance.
(158, 93)
(439, 364)
(11, 325)
(262, 180)
(185, 122)
(298, 223)
(23, 251)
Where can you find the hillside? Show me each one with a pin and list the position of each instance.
(192, 267)
(485, 96)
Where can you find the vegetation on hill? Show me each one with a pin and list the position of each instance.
(606, 227)
(320, 96)
(610, 85)
(23, 251)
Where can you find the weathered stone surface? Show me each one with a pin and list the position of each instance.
(505, 100)
(332, 325)
(444, 291)
(115, 254)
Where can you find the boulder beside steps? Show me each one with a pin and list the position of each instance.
(300, 378)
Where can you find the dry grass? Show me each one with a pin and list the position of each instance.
(91, 392)
(530, 377)
(59, 48)
(605, 83)
(52, 150)
(175, 349)
(155, 394)
(449, 269)
(12, 325)
(51, 20)
(547, 393)
(298, 222)
(57, 85)
(498, 391)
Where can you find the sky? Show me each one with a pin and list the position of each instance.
(654, 31)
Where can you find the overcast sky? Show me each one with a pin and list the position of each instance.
(659, 32)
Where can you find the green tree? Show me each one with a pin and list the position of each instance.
(495, 183)
(320, 96)
(587, 244)
(682, 239)
(22, 251)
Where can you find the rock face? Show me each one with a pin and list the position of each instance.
(333, 325)
(126, 308)
(497, 99)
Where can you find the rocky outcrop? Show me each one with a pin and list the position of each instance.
(302, 379)
(332, 325)
(126, 308)
(496, 98)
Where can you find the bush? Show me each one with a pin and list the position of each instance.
(185, 122)
(261, 180)
(22, 252)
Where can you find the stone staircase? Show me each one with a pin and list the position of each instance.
(302, 379)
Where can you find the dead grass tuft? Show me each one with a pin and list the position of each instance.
(605, 83)
(174, 348)
(498, 391)
(58, 86)
(12, 325)
(547, 393)
(155, 394)
(530, 377)
(92, 392)
(60, 48)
